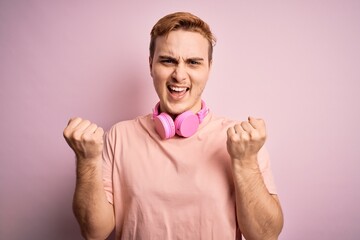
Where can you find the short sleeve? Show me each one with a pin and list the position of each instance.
(264, 164)
(107, 167)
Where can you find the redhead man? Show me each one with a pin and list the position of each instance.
(180, 172)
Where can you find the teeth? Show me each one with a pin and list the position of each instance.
(177, 89)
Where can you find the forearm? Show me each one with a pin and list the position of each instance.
(92, 210)
(259, 213)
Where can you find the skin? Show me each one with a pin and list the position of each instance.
(259, 213)
(180, 69)
(180, 60)
(91, 208)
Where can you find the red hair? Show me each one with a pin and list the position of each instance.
(184, 21)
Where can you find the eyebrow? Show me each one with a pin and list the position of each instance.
(173, 58)
(166, 57)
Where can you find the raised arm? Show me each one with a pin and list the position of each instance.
(259, 213)
(92, 210)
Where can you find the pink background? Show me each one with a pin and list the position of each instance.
(294, 63)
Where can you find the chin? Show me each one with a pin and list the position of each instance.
(176, 109)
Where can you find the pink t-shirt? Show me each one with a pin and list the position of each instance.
(180, 188)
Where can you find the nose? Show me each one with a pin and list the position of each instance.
(179, 74)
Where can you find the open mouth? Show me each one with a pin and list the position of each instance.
(178, 89)
(178, 92)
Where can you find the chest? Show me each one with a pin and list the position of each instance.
(178, 173)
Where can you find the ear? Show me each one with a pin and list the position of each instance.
(150, 65)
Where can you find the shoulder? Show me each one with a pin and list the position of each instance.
(130, 126)
(214, 127)
(131, 123)
(221, 121)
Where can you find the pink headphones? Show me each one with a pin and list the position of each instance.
(185, 124)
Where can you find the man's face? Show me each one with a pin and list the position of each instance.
(180, 69)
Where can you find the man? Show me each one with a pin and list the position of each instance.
(181, 172)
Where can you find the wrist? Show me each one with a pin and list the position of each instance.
(246, 172)
(85, 163)
(91, 159)
(246, 163)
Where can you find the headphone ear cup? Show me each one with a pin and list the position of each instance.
(186, 124)
(164, 126)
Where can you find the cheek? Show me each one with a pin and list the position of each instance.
(159, 75)
(159, 81)
(200, 81)
(198, 88)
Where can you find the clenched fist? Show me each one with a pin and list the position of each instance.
(85, 138)
(244, 140)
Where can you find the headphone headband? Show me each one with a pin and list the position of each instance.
(185, 124)
(201, 114)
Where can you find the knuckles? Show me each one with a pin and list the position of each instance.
(246, 137)
(66, 133)
(89, 138)
(233, 139)
(76, 135)
(84, 131)
(84, 137)
(244, 132)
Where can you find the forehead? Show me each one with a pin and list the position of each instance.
(182, 43)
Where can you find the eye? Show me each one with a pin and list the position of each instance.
(194, 62)
(168, 61)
